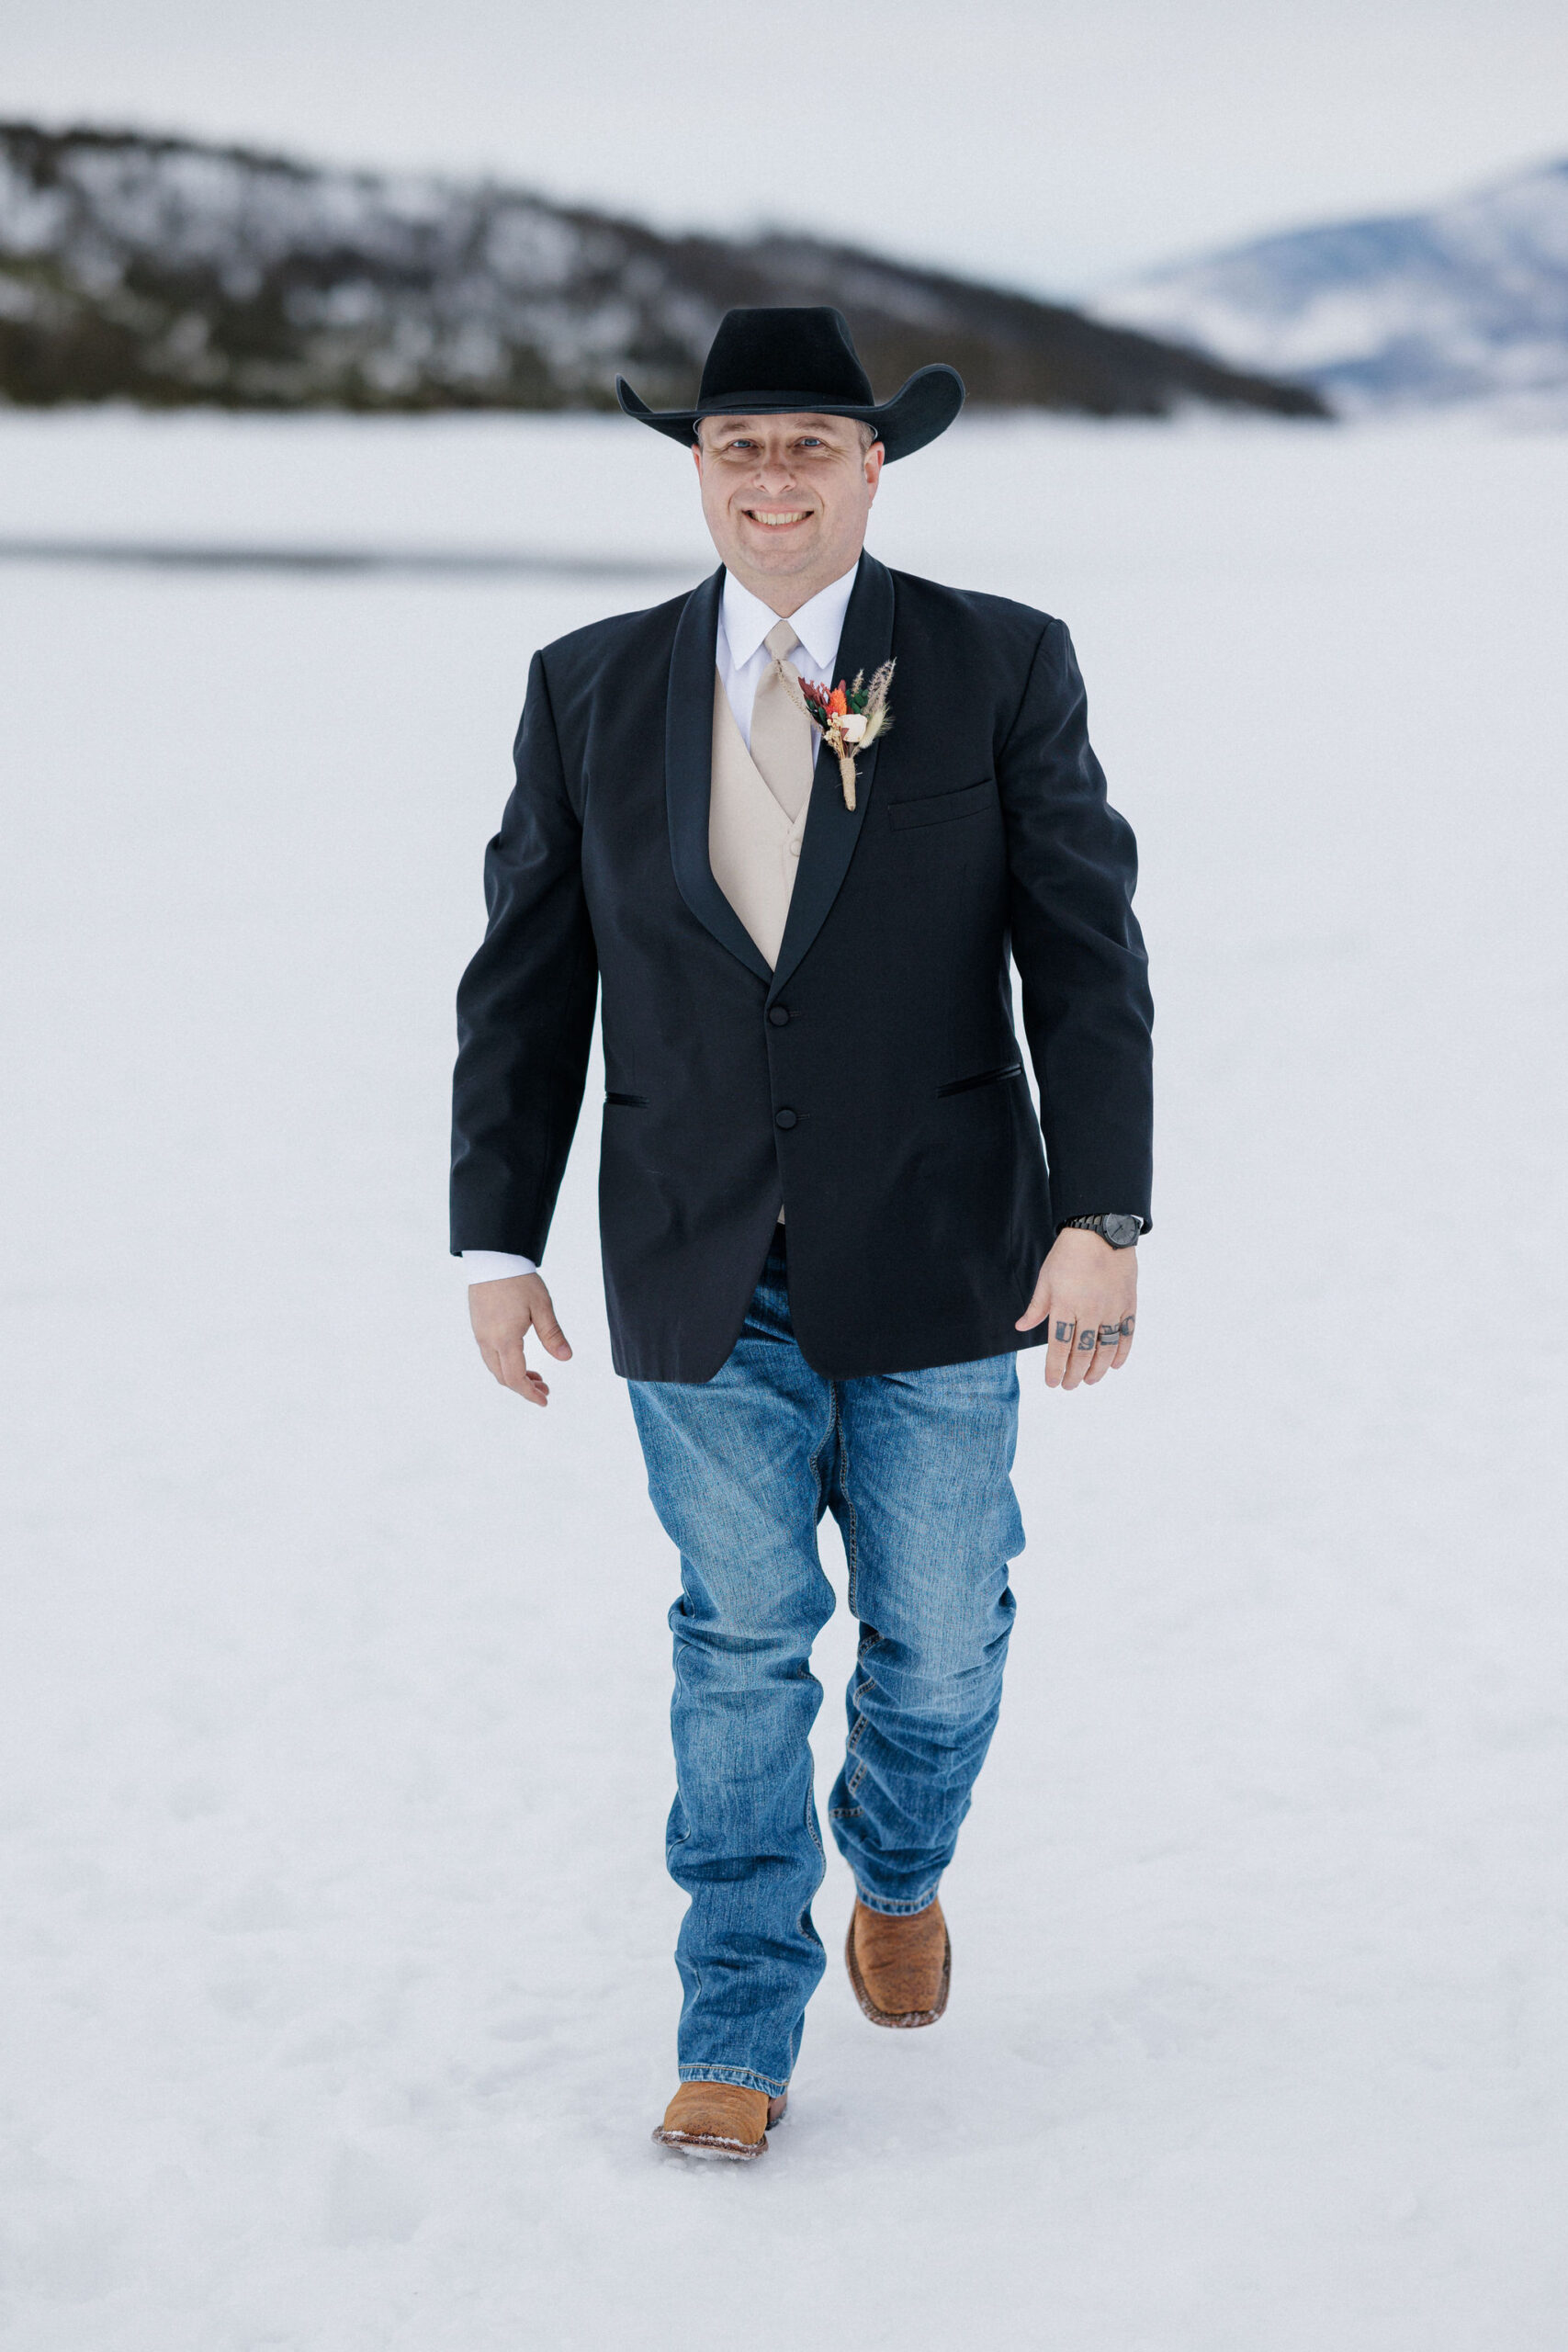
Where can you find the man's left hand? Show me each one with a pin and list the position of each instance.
(1090, 1292)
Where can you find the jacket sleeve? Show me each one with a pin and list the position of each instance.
(525, 1007)
(1087, 1011)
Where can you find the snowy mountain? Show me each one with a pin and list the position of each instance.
(1467, 301)
(169, 273)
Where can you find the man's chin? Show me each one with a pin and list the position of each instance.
(778, 551)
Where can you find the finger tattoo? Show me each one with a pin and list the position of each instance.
(1086, 1340)
(1065, 1330)
(1125, 1326)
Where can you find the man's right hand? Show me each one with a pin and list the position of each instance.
(502, 1315)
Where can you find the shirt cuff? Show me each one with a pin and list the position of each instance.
(494, 1265)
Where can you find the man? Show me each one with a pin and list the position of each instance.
(827, 1220)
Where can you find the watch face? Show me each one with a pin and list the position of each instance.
(1122, 1231)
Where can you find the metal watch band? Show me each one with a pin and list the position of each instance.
(1098, 1224)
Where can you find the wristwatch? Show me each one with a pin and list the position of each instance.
(1122, 1232)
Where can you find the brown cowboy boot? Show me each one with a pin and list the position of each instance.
(901, 1967)
(720, 2119)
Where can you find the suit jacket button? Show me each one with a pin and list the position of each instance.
(778, 1014)
(784, 1118)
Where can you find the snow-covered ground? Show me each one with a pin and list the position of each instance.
(337, 2002)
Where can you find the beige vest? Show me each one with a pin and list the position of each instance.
(753, 845)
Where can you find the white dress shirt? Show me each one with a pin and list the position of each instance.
(743, 659)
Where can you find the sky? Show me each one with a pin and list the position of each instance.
(1049, 147)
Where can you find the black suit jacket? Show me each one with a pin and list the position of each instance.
(873, 1079)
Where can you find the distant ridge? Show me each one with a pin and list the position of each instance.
(1467, 301)
(325, 562)
(170, 272)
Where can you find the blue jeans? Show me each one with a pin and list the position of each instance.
(914, 1467)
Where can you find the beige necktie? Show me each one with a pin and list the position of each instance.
(782, 741)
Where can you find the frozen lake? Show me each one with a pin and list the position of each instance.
(337, 2001)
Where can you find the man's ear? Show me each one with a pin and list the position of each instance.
(697, 457)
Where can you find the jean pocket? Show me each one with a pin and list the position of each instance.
(981, 1078)
(626, 1101)
(941, 808)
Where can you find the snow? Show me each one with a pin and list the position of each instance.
(1468, 302)
(338, 2002)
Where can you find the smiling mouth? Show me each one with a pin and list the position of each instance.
(776, 518)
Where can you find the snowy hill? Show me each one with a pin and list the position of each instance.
(1467, 301)
(170, 273)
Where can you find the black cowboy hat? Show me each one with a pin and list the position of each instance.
(774, 363)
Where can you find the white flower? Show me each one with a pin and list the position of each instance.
(853, 726)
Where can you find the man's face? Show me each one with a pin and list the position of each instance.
(787, 499)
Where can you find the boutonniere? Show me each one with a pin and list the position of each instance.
(852, 718)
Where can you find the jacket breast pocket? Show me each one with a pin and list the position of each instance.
(941, 808)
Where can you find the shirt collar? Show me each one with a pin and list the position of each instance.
(819, 624)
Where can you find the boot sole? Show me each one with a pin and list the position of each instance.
(694, 2143)
(901, 2020)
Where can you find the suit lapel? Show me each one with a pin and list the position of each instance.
(831, 830)
(688, 772)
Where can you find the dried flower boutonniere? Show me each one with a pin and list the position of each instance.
(852, 718)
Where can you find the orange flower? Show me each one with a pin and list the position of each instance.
(838, 703)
